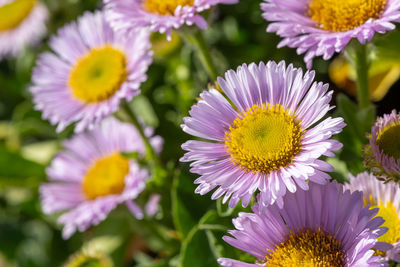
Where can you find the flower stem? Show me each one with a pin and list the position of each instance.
(151, 155)
(203, 52)
(362, 67)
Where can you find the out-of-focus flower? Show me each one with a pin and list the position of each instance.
(91, 176)
(382, 155)
(265, 135)
(152, 205)
(22, 23)
(382, 75)
(87, 258)
(320, 227)
(163, 48)
(323, 27)
(159, 15)
(90, 72)
(386, 197)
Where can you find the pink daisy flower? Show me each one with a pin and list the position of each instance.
(386, 197)
(90, 72)
(382, 155)
(159, 15)
(91, 176)
(262, 132)
(323, 27)
(320, 227)
(22, 23)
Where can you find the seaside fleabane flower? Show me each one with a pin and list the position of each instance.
(265, 134)
(386, 197)
(91, 176)
(159, 15)
(320, 227)
(382, 155)
(22, 23)
(323, 27)
(90, 72)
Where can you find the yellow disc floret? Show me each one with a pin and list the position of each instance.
(165, 7)
(13, 13)
(389, 140)
(344, 15)
(307, 249)
(106, 176)
(98, 75)
(392, 222)
(264, 138)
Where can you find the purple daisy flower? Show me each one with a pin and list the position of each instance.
(90, 72)
(386, 197)
(159, 15)
(320, 227)
(22, 23)
(323, 27)
(91, 176)
(263, 135)
(382, 155)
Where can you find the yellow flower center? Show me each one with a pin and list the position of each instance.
(388, 140)
(13, 13)
(308, 249)
(165, 7)
(106, 176)
(264, 138)
(98, 75)
(344, 15)
(392, 222)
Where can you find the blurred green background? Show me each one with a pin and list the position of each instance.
(188, 230)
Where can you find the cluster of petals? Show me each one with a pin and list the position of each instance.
(384, 166)
(252, 85)
(125, 15)
(29, 32)
(290, 20)
(379, 192)
(68, 169)
(329, 208)
(53, 95)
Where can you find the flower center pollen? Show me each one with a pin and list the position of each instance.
(106, 176)
(392, 222)
(165, 7)
(344, 15)
(13, 13)
(308, 249)
(98, 75)
(265, 138)
(388, 140)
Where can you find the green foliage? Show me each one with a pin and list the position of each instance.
(188, 229)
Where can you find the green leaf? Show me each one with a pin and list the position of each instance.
(143, 108)
(13, 166)
(187, 207)
(354, 135)
(196, 250)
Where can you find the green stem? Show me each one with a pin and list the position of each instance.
(151, 154)
(362, 67)
(200, 44)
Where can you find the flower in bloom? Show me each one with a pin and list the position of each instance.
(386, 197)
(89, 257)
(382, 155)
(22, 22)
(323, 27)
(159, 15)
(91, 176)
(90, 72)
(266, 134)
(320, 227)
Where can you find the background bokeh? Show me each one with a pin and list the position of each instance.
(175, 79)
